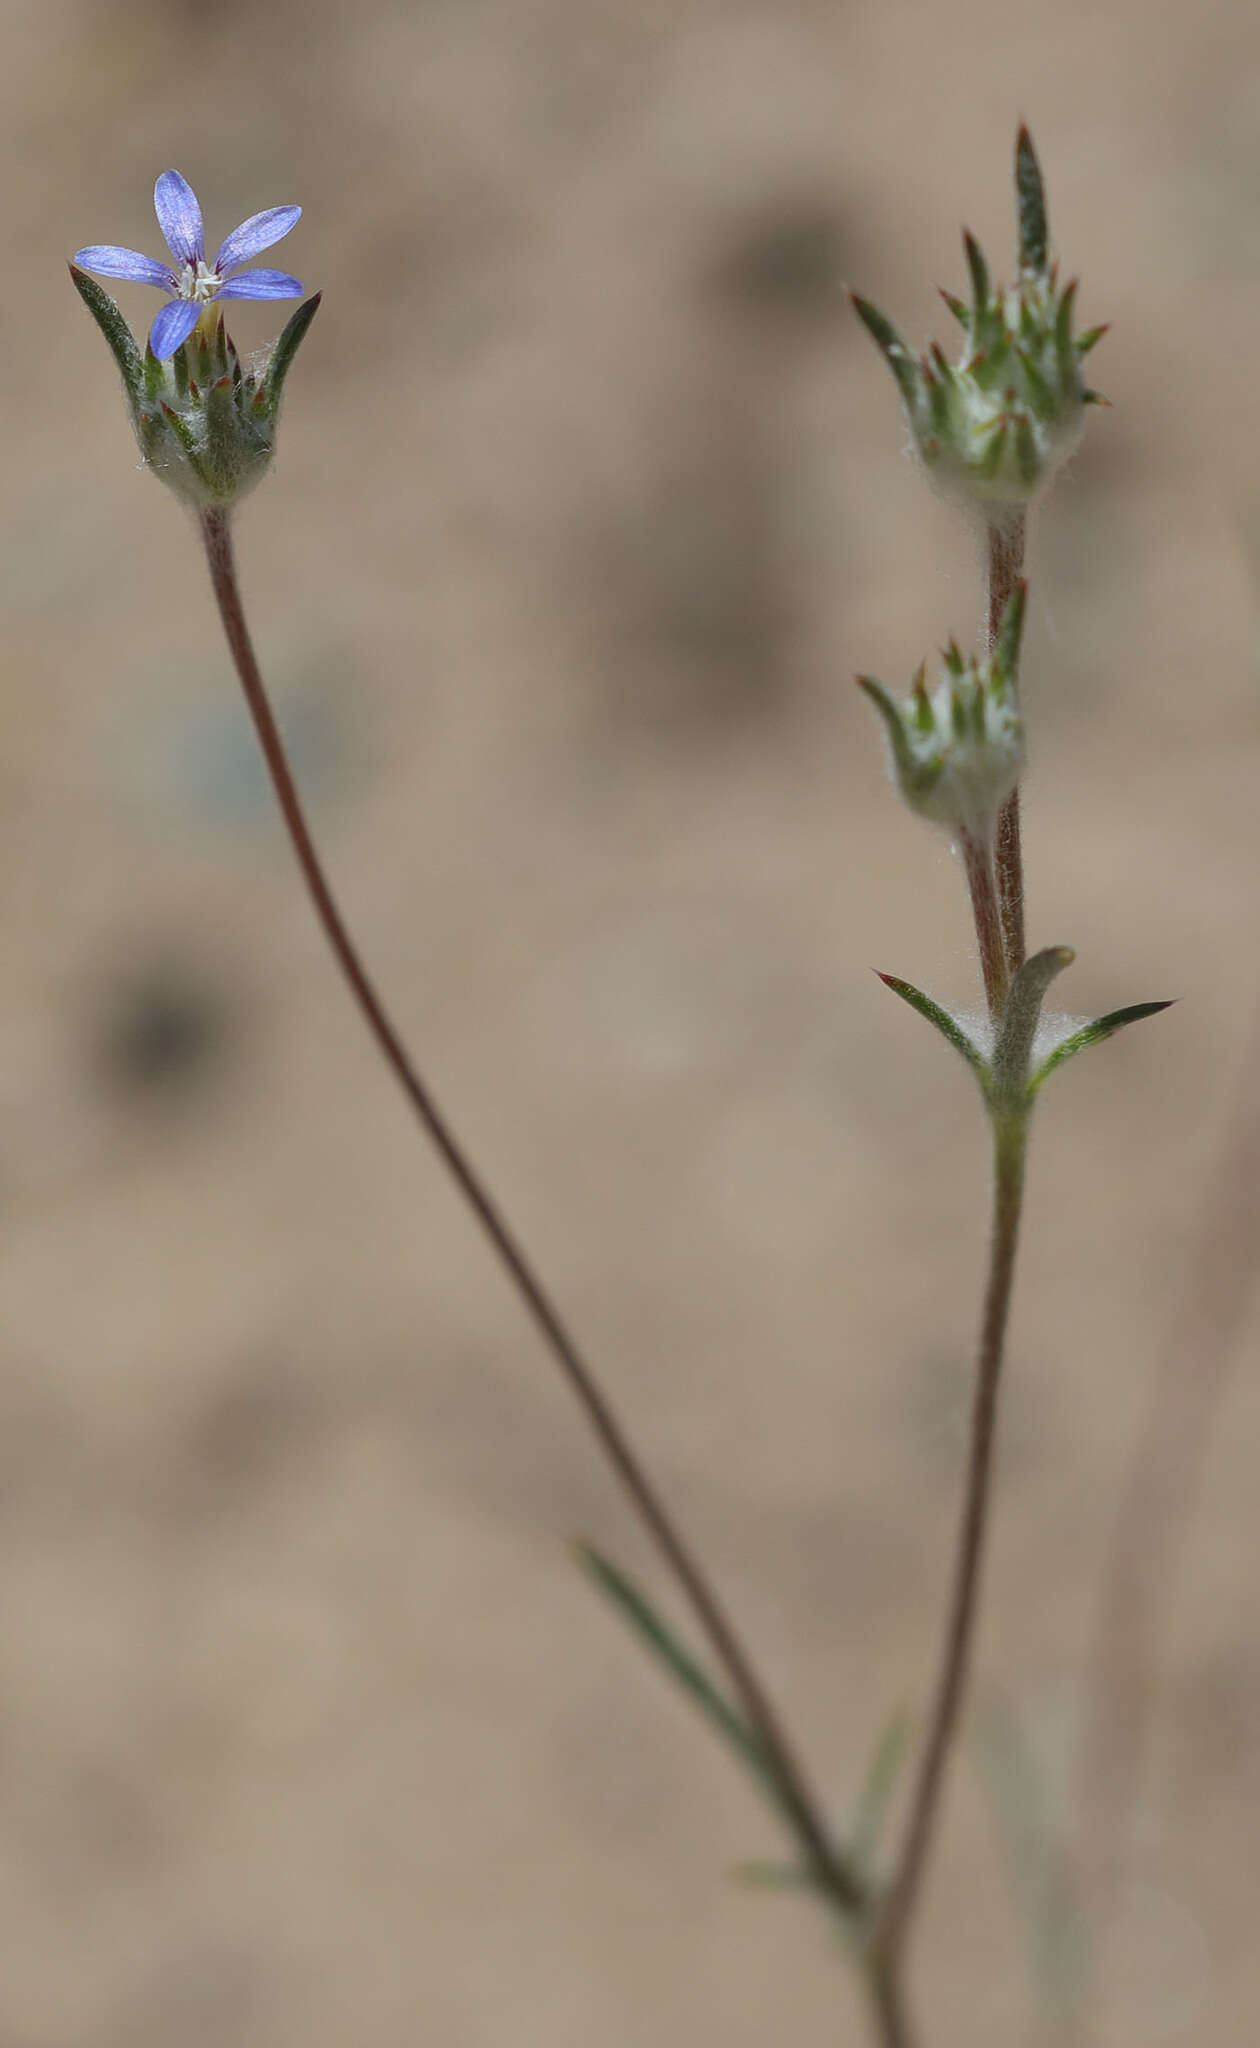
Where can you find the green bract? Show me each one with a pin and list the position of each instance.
(956, 751)
(992, 428)
(205, 421)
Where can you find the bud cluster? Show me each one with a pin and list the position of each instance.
(957, 751)
(993, 428)
(205, 420)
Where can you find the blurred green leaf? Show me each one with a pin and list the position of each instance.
(1035, 1862)
(878, 1787)
(678, 1661)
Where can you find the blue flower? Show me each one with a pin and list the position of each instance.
(191, 281)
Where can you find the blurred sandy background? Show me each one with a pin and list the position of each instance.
(589, 504)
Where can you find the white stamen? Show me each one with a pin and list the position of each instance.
(200, 283)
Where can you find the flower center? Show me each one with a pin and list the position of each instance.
(198, 282)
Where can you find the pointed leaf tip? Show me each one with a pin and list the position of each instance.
(1030, 205)
(1091, 338)
(118, 335)
(291, 339)
(979, 271)
(889, 343)
(1094, 1034)
(949, 1027)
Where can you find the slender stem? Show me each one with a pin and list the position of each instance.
(1010, 878)
(840, 1880)
(892, 2022)
(1009, 1146)
(1004, 560)
(977, 857)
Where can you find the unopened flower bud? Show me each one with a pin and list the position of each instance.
(992, 428)
(957, 751)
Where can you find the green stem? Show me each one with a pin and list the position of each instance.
(1009, 1148)
(1004, 561)
(843, 1884)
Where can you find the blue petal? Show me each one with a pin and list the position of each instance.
(174, 324)
(256, 234)
(107, 261)
(179, 217)
(261, 284)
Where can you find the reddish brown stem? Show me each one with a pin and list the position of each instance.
(1004, 561)
(1010, 1135)
(892, 2021)
(842, 1883)
(977, 858)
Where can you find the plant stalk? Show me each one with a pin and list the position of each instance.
(1010, 1131)
(1004, 561)
(892, 2022)
(839, 1879)
(977, 858)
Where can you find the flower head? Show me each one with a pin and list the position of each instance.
(205, 419)
(956, 751)
(992, 428)
(192, 282)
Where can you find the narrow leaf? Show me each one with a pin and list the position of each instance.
(283, 353)
(227, 437)
(893, 348)
(892, 718)
(664, 1645)
(1094, 1034)
(1064, 346)
(979, 271)
(1043, 399)
(1019, 1023)
(878, 1787)
(183, 433)
(1031, 205)
(1036, 1866)
(991, 460)
(937, 396)
(1091, 338)
(948, 1026)
(121, 340)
